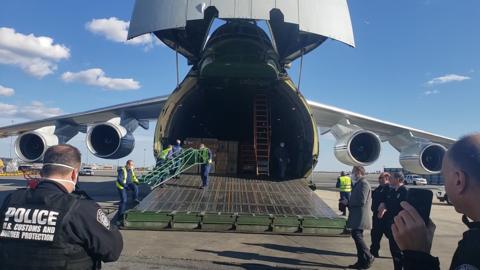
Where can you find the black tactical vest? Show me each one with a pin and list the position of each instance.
(33, 232)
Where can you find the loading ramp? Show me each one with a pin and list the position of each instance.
(231, 204)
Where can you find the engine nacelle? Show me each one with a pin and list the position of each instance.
(360, 148)
(110, 141)
(31, 146)
(423, 158)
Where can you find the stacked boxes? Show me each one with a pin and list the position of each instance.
(225, 154)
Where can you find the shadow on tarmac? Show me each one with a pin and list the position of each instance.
(301, 250)
(265, 258)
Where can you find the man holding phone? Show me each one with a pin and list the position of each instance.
(389, 209)
(461, 173)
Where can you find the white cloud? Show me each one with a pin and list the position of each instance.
(431, 92)
(35, 55)
(7, 110)
(36, 110)
(116, 30)
(448, 78)
(5, 91)
(96, 77)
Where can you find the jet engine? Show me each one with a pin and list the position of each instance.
(31, 146)
(110, 141)
(360, 148)
(423, 158)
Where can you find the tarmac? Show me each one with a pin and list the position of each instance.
(209, 250)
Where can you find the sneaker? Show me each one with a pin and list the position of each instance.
(375, 254)
(137, 201)
(200, 187)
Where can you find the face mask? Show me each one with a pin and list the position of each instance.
(354, 178)
(61, 180)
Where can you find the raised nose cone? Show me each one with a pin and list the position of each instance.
(239, 49)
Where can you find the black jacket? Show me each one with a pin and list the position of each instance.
(466, 257)
(48, 228)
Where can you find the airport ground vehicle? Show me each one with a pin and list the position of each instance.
(86, 170)
(413, 179)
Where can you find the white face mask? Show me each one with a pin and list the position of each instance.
(354, 178)
(61, 180)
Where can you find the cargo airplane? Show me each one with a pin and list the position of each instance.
(231, 66)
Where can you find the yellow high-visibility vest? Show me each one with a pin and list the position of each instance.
(165, 153)
(134, 178)
(345, 184)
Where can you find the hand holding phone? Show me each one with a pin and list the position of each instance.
(421, 200)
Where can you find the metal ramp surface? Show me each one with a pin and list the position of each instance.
(235, 204)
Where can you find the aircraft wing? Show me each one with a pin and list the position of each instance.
(399, 136)
(140, 110)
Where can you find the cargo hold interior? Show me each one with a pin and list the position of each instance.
(227, 114)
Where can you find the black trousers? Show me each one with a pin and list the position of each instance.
(397, 255)
(363, 253)
(378, 230)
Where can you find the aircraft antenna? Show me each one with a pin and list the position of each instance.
(300, 72)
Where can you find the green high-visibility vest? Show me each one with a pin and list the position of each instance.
(345, 184)
(165, 153)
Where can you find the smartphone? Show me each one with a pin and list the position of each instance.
(421, 200)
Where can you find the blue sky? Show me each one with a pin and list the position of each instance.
(401, 46)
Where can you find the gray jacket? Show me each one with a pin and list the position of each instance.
(360, 215)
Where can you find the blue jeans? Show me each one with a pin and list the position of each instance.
(124, 197)
(205, 170)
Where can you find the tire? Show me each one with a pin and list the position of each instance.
(414, 183)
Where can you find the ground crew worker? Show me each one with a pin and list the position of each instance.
(126, 180)
(389, 209)
(282, 157)
(461, 172)
(176, 151)
(49, 227)
(166, 154)
(2, 166)
(378, 225)
(206, 166)
(344, 183)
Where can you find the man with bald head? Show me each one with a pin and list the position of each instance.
(461, 173)
(50, 227)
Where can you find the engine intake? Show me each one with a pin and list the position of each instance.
(423, 158)
(360, 148)
(110, 141)
(31, 146)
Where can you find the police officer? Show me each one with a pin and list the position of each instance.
(389, 209)
(344, 183)
(461, 172)
(126, 180)
(50, 228)
(378, 226)
(206, 166)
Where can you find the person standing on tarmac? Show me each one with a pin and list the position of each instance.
(49, 227)
(344, 183)
(389, 209)
(378, 226)
(461, 172)
(206, 166)
(126, 180)
(359, 217)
